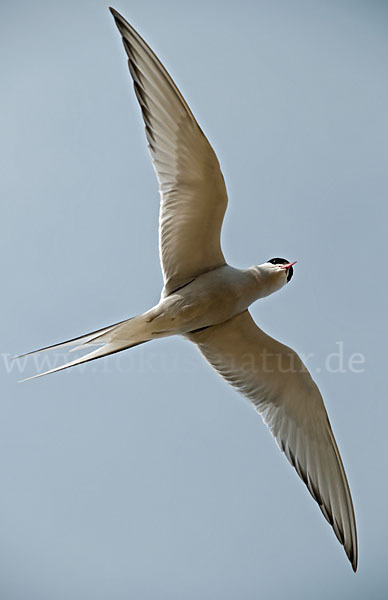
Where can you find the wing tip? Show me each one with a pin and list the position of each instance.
(352, 555)
(115, 14)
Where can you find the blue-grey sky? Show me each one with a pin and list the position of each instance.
(144, 475)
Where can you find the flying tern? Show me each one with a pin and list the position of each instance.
(206, 300)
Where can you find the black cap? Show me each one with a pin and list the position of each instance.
(282, 261)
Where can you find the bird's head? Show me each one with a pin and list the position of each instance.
(274, 274)
(281, 266)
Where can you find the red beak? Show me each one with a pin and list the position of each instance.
(288, 265)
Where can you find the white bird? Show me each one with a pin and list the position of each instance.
(206, 300)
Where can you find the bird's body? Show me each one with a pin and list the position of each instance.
(207, 300)
(212, 298)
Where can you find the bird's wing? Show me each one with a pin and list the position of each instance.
(281, 389)
(192, 188)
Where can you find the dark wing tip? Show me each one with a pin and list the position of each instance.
(118, 18)
(352, 556)
(350, 550)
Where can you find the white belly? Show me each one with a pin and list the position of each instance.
(211, 298)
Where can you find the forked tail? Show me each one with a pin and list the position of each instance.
(111, 339)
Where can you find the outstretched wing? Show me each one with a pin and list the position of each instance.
(192, 188)
(281, 389)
